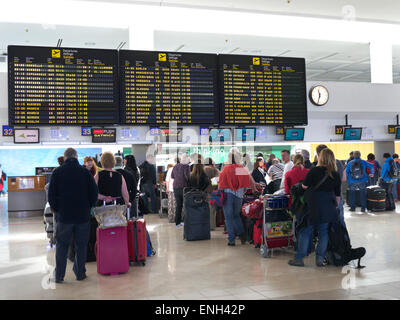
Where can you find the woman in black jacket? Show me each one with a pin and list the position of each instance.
(258, 173)
(322, 207)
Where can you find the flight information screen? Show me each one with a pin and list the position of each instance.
(159, 87)
(262, 90)
(62, 86)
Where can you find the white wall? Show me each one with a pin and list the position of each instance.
(371, 106)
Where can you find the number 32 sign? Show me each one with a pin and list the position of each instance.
(8, 131)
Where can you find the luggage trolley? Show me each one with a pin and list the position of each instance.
(277, 228)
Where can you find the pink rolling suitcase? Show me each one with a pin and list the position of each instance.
(112, 250)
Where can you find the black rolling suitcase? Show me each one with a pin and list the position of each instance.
(91, 253)
(376, 198)
(358, 198)
(197, 215)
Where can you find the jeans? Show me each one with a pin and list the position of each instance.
(178, 193)
(64, 234)
(303, 240)
(148, 190)
(363, 194)
(388, 186)
(395, 195)
(232, 209)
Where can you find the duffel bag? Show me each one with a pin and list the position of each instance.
(254, 209)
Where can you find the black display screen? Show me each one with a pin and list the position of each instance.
(62, 86)
(104, 135)
(262, 90)
(159, 87)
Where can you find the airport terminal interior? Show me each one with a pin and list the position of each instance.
(158, 80)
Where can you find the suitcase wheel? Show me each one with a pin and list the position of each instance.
(143, 263)
(264, 251)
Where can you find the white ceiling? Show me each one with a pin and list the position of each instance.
(326, 60)
(72, 36)
(362, 10)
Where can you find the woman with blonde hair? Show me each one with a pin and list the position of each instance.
(322, 207)
(111, 183)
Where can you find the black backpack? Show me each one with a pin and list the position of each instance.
(339, 251)
(394, 171)
(357, 171)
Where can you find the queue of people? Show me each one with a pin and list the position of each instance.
(76, 189)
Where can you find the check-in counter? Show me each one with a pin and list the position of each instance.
(26, 193)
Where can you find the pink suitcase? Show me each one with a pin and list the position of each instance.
(112, 251)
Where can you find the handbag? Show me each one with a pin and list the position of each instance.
(218, 198)
(111, 216)
(308, 193)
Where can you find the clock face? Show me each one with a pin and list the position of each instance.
(319, 95)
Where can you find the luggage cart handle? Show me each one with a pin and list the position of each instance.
(114, 199)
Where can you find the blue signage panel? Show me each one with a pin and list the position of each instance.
(86, 131)
(8, 131)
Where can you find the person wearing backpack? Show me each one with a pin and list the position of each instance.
(357, 177)
(388, 179)
(396, 191)
(371, 159)
(149, 182)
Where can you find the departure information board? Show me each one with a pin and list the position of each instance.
(62, 86)
(262, 90)
(159, 87)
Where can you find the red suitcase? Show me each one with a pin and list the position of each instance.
(137, 242)
(112, 251)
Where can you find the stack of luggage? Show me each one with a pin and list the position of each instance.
(376, 198)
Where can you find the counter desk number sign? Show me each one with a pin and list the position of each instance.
(8, 131)
(279, 131)
(86, 131)
(339, 130)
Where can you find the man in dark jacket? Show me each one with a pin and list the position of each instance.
(149, 182)
(72, 192)
(130, 180)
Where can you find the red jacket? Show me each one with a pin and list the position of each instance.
(292, 177)
(234, 177)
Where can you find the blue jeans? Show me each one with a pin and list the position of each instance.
(395, 195)
(232, 209)
(148, 190)
(363, 194)
(64, 234)
(303, 241)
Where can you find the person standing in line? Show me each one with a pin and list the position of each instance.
(72, 194)
(169, 189)
(234, 179)
(131, 166)
(275, 173)
(306, 157)
(60, 160)
(377, 168)
(246, 162)
(396, 193)
(387, 182)
(212, 172)
(111, 183)
(180, 174)
(322, 207)
(340, 170)
(357, 177)
(269, 163)
(89, 164)
(129, 178)
(258, 173)
(294, 176)
(286, 158)
(149, 182)
(351, 158)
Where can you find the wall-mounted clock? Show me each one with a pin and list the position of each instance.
(319, 95)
